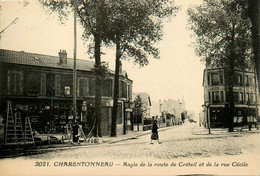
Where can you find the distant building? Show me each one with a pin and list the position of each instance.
(174, 107)
(166, 112)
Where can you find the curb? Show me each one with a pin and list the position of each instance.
(137, 135)
(224, 132)
(38, 150)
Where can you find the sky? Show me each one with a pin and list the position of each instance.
(178, 73)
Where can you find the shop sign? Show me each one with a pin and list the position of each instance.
(128, 110)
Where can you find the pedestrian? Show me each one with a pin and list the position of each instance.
(76, 134)
(155, 135)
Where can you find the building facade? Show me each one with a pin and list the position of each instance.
(40, 87)
(245, 95)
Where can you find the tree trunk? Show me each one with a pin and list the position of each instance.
(116, 90)
(98, 88)
(254, 10)
(230, 81)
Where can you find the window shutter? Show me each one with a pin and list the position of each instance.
(21, 82)
(57, 85)
(43, 84)
(17, 83)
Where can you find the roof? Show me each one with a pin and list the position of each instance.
(24, 58)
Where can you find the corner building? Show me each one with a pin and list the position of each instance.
(40, 87)
(245, 94)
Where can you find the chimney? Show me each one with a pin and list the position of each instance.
(120, 68)
(63, 57)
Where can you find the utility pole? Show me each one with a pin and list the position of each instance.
(74, 65)
(206, 96)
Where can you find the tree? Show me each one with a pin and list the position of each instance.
(135, 27)
(254, 15)
(92, 15)
(223, 37)
(138, 111)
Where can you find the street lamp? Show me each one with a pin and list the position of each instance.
(207, 104)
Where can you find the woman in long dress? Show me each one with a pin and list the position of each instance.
(155, 135)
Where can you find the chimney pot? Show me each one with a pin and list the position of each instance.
(63, 57)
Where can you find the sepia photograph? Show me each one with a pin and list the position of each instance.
(129, 87)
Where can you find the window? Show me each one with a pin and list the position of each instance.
(33, 83)
(246, 81)
(246, 98)
(214, 78)
(239, 80)
(15, 82)
(215, 97)
(251, 98)
(130, 91)
(92, 85)
(209, 97)
(222, 96)
(124, 90)
(57, 85)
(49, 84)
(208, 80)
(82, 87)
(240, 97)
(107, 88)
(251, 81)
(221, 80)
(236, 97)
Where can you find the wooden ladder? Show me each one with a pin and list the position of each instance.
(28, 135)
(10, 130)
(19, 128)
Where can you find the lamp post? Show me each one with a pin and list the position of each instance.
(207, 104)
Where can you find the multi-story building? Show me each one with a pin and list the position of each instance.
(245, 96)
(40, 87)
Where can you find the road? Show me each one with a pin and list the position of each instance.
(185, 147)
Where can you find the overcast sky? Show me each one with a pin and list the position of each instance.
(178, 73)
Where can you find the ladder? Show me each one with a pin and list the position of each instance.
(28, 135)
(19, 128)
(82, 134)
(10, 133)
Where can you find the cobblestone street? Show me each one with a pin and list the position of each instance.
(176, 142)
(187, 145)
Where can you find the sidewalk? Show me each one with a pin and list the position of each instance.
(36, 149)
(222, 131)
(131, 135)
